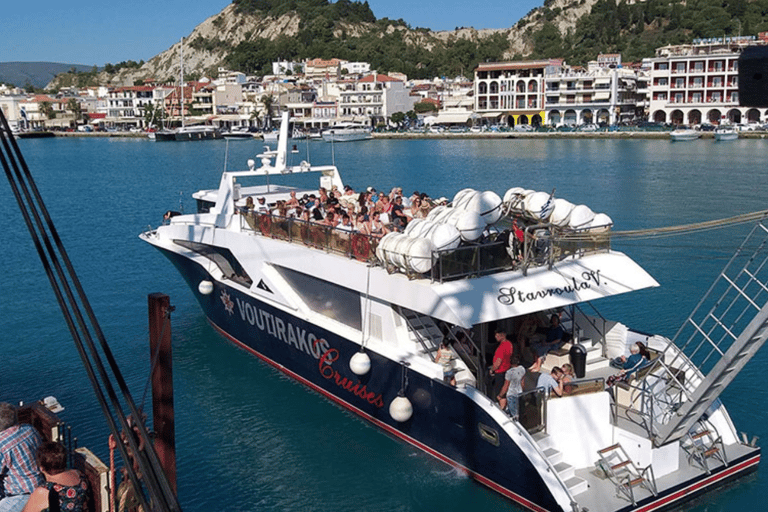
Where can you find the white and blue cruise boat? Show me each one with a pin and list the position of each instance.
(359, 320)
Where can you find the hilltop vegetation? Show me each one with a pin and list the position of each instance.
(248, 35)
(635, 30)
(349, 30)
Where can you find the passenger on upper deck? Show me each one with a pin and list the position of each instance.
(360, 225)
(500, 362)
(293, 201)
(262, 207)
(415, 211)
(345, 224)
(376, 227)
(399, 219)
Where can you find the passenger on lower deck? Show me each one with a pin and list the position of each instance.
(501, 362)
(512, 388)
(553, 339)
(552, 383)
(445, 357)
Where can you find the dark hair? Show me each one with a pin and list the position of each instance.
(643, 350)
(8, 416)
(52, 458)
(317, 214)
(514, 359)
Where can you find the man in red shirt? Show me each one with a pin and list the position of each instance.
(500, 362)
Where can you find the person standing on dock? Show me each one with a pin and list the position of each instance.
(19, 471)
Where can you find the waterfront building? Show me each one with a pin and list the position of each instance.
(373, 97)
(511, 93)
(699, 83)
(125, 105)
(605, 93)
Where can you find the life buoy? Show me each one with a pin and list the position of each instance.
(265, 224)
(361, 249)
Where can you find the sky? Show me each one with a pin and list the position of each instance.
(97, 32)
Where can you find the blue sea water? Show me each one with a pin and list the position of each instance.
(249, 438)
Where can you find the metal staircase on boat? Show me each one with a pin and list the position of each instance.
(425, 332)
(721, 335)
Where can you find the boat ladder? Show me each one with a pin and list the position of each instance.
(724, 331)
(703, 443)
(620, 469)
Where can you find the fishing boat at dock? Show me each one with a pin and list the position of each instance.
(359, 319)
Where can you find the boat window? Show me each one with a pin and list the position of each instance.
(326, 298)
(223, 259)
(204, 206)
(488, 434)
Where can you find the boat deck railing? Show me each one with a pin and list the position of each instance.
(544, 246)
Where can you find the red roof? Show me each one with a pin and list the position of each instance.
(378, 78)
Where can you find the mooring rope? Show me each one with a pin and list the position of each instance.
(683, 229)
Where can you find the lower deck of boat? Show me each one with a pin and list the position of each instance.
(681, 485)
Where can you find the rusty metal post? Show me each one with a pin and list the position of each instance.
(162, 383)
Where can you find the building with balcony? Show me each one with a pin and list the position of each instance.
(512, 93)
(604, 93)
(373, 97)
(699, 83)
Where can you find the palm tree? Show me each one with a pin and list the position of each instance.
(47, 109)
(268, 101)
(74, 106)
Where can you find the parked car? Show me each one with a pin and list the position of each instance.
(523, 128)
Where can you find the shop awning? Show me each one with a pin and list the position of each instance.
(452, 117)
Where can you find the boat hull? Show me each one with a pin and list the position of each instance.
(445, 422)
(320, 359)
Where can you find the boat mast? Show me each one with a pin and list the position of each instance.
(181, 81)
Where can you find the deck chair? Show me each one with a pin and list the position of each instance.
(620, 469)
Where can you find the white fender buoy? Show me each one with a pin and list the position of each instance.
(401, 409)
(561, 212)
(360, 363)
(600, 224)
(205, 287)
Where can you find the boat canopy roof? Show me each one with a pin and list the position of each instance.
(510, 294)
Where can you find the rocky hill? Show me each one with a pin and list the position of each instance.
(210, 44)
(249, 34)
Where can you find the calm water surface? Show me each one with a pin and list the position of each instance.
(250, 438)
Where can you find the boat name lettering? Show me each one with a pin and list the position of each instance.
(355, 387)
(509, 296)
(282, 330)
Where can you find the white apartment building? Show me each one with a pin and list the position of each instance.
(511, 93)
(373, 97)
(699, 83)
(356, 68)
(604, 93)
(125, 105)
